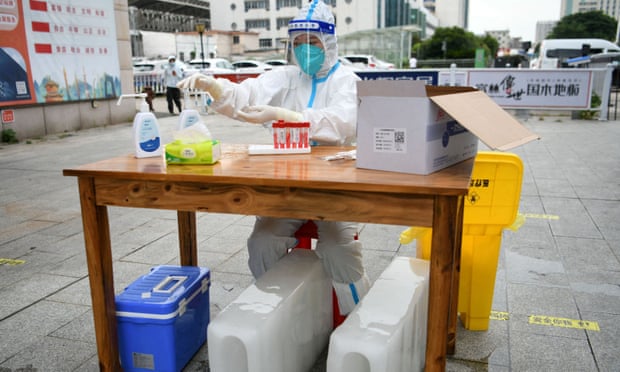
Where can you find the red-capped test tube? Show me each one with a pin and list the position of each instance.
(287, 135)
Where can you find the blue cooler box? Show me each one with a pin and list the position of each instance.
(162, 318)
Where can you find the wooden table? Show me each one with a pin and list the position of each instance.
(295, 186)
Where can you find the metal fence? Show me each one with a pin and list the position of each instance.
(148, 79)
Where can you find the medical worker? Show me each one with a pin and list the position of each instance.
(173, 73)
(315, 89)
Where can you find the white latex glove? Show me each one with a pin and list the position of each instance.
(202, 82)
(263, 113)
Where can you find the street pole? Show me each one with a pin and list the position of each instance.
(200, 28)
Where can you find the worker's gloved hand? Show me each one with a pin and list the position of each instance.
(263, 113)
(202, 82)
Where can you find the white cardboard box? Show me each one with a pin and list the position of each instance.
(407, 126)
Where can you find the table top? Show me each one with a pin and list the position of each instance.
(309, 171)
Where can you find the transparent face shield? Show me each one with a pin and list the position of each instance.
(307, 40)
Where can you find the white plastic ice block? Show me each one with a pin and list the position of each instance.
(386, 332)
(280, 323)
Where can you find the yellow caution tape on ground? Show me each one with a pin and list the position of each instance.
(518, 222)
(563, 322)
(9, 261)
(542, 216)
(499, 315)
(521, 217)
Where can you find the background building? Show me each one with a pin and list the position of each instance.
(609, 7)
(543, 28)
(452, 13)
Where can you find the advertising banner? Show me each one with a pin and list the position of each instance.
(524, 88)
(57, 51)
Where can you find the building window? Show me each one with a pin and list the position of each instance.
(256, 4)
(288, 4)
(265, 43)
(233, 26)
(233, 6)
(348, 20)
(256, 23)
(236, 39)
(283, 22)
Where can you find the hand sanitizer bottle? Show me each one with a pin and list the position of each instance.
(188, 116)
(146, 135)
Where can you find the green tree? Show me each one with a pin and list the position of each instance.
(449, 42)
(594, 24)
(457, 42)
(490, 44)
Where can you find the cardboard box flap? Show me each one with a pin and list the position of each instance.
(495, 127)
(385, 88)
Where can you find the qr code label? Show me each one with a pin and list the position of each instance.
(390, 140)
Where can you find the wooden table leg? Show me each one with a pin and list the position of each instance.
(445, 213)
(188, 244)
(454, 293)
(100, 274)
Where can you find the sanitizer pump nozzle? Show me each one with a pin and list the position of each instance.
(144, 106)
(147, 139)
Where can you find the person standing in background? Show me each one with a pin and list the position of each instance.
(173, 74)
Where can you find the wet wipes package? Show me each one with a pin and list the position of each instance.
(193, 145)
(409, 127)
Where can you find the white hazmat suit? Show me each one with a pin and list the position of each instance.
(318, 90)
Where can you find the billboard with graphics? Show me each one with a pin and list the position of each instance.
(57, 51)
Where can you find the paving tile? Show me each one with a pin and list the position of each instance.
(606, 216)
(530, 299)
(596, 291)
(26, 328)
(55, 354)
(533, 352)
(22, 294)
(606, 342)
(488, 347)
(587, 255)
(574, 221)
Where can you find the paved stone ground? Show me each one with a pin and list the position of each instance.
(564, 262)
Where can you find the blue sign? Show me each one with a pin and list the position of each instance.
(430, 77)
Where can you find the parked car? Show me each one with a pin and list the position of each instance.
(150, 65)
(369, 61)
(213, 65)
(158, 66)
(276, 62)
(251, 66)
(354, 66)
(514, 61)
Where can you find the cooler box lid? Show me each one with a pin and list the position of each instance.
(163, 293)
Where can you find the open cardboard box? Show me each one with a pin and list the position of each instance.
(407, 126)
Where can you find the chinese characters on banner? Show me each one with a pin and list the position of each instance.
(535, 88)
(58, 50)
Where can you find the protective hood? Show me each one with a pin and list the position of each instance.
(317, 19)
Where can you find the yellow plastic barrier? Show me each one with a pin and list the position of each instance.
(491, 205)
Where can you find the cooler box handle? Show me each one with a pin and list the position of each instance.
(166, 281)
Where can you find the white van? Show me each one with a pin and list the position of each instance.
(553, 52)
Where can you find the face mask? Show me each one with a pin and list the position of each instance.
(310, 58)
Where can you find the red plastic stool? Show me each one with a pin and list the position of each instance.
(304, 236)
